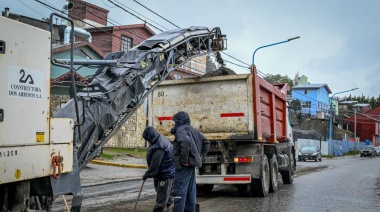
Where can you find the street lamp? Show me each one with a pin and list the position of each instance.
(331, 99)
(253, 56)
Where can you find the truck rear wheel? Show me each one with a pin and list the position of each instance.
(287, 176)
(273, 172)
(260, 187)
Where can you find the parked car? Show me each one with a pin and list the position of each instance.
(377, 150)
(310, 153)
(368, 150)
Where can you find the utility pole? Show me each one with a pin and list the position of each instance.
(356, 144)
(331, 110)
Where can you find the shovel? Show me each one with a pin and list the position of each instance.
(142, 185)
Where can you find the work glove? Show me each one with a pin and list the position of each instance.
(144, 177)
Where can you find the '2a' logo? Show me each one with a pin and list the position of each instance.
(24, 79)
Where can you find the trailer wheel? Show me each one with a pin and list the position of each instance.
(273, 172)
(260, 187)
(204, 188)
(287, 176)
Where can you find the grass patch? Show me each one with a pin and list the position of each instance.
(327, 156)
(351, 153)
(120, 152)
(106, 156)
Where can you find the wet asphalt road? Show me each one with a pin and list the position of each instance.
(340, 184)
(347, 184)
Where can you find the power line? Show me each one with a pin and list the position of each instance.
(263, 74)
(31, 8)
(135, 15)
(236, 59)
(108, 5)
(305, 95)
(140, 14)
(48, 6)
(237, 64)
(155, 13)
(133, 44)
(360, 122)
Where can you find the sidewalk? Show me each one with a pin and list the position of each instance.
(107, 171)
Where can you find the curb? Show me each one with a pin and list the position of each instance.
(105, 163)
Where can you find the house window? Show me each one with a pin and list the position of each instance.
(176, 76)
(194, 69)
(306, 104)
(306, 91)
(126, 43)
(201, 70)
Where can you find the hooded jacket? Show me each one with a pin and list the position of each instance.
(159, 155)
(185, 137)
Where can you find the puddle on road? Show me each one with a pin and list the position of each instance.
(308, 170)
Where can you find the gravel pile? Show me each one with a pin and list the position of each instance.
(219, 72)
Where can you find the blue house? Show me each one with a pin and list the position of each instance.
(314, 99)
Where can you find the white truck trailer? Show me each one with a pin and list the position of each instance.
(245, 118)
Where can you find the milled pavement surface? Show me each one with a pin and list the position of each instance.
(128, 168)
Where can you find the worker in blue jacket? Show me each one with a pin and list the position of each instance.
(189, 147)
(160, 167)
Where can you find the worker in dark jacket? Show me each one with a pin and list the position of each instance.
(160, 167)
(189, 147)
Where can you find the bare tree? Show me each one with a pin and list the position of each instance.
(296, 79)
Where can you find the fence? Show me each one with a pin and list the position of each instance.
(338, 148)
(330, 147)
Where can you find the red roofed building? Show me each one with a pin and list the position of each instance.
(107, 38)
(89, 13)
(367, 125)
(119, 38)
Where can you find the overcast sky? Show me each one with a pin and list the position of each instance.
(339, 44)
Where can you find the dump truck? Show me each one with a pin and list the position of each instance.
(248, 122)
(41, 155)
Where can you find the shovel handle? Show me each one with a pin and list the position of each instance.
(138, 197)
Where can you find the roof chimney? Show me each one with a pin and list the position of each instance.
(6, 12)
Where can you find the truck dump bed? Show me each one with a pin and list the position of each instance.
(229, 107)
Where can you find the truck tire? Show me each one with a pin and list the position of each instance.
(273, 173)
(204, 188)
(261, 186)
(287, 176)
